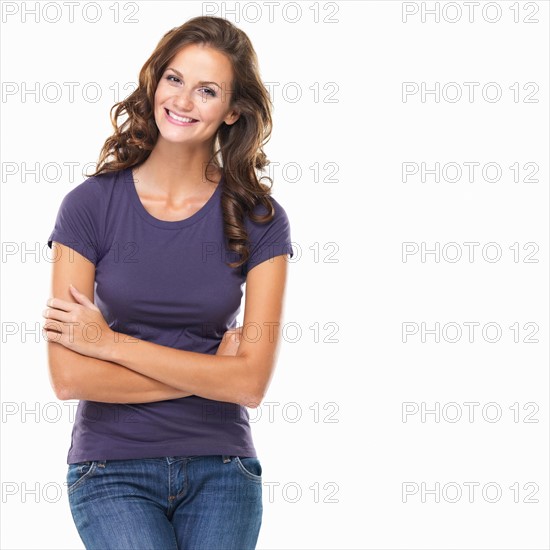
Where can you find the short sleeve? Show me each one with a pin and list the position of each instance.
(77, 221)
(269, 239)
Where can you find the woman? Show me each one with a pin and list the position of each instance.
(162, 238)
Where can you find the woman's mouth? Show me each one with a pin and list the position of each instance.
(179, 120)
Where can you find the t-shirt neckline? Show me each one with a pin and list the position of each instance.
(177, 224)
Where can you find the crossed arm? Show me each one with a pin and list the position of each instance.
(123, 369)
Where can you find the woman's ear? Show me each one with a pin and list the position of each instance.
(232, 118)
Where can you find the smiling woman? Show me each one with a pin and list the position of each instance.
(180, 102)
(158, 244)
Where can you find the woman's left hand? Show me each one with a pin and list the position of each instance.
(79, 327)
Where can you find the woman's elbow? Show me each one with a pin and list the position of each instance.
(62, 393)
(253, 402)
(61, 385)
(257, 392)
(61, 388)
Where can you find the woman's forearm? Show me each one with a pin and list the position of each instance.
(222, 378)
(76, 376)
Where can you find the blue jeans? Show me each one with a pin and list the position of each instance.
(211, 502)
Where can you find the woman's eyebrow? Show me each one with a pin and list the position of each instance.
(201, 82)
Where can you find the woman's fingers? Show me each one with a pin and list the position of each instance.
(56, 315)
(58, 303)
(230, 342)
(236, 333)
(237, 330)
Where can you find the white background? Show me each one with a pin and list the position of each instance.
(358, 449)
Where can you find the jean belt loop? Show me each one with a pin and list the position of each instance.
(226, 458)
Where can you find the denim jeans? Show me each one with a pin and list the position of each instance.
(210, 502)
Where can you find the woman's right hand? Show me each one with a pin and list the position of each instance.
(230, 342)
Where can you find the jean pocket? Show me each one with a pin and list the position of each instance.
(250, 467)
(79, 472)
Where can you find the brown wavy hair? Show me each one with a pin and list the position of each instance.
(239, 144)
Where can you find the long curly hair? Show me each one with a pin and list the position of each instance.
(239, 144)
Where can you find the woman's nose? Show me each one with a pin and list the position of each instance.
(184, 102)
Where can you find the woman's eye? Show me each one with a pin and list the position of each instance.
(172, 78)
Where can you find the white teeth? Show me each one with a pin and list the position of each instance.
(180, 118)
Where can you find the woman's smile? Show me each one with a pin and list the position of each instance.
(179, 120)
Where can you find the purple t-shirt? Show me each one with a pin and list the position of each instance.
(164, 282)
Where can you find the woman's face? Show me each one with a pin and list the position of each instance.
(195, 85)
